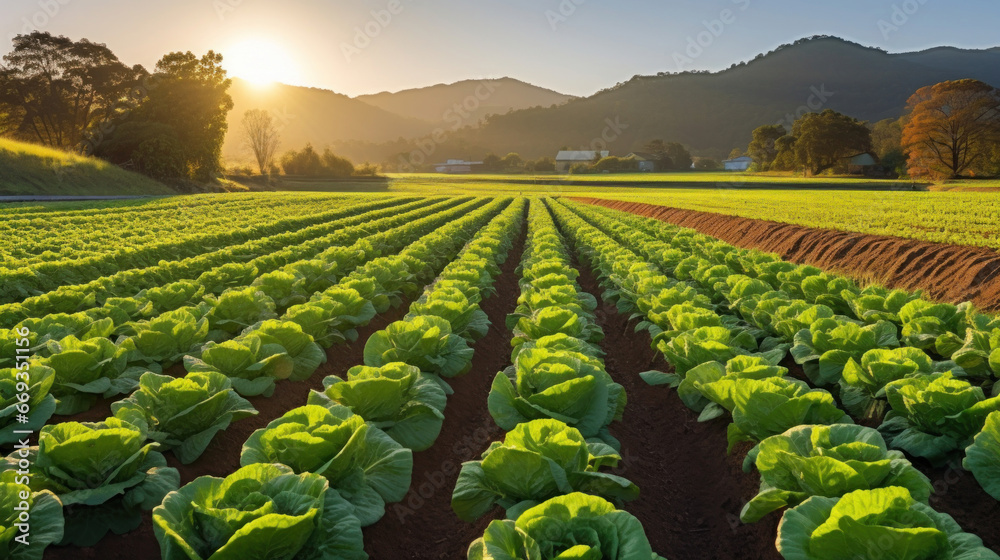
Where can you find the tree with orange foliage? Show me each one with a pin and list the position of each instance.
(952, 128)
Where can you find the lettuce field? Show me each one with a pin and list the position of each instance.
(341, 377)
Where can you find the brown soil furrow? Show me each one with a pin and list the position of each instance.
(952, 273)
(691, 492)
(423, 526)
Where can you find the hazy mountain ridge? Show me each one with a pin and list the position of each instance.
(324, 117)
(478, 98)
(712, 113)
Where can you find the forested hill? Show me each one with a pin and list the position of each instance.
(713, 113)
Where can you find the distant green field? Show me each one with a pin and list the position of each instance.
(708, 178)
(956, 217)
(28, 169)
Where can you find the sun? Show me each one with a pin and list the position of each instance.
(260, 62)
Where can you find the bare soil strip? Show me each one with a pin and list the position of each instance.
(945, 272)
(423, 526)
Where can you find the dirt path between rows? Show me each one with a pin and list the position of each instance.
(945, 272)
(223, 455)
(691, 492)
(423, 526)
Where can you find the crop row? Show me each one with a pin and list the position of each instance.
(81, 363)
(107, 473)
(555, 402)
(216, 270)
(725, 318)
(54, 240)
(38, 278)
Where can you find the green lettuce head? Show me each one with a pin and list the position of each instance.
(89, 369)
(260, 512)
(36, 382)
(879, 523)
(766, 407)
(361, 462)
(332, 316)
(167, 338)
(106, 468)
(934, 416)
(536, 461)
(864, 383)
(826, 461)
(575, 526)
(44, 527)
(566, 386)
(982, 458)
(397, 398)
(425, 342)
(183, 414)
(824, 349)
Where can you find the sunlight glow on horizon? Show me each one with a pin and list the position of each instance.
(260, 62)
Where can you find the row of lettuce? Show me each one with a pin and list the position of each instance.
(38, 255)
(725, 318)
(355, 439)
(556, 402)
(160, 276)
(105, 474)
(48, 234)
(101, 353)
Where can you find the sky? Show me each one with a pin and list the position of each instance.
(572, 46)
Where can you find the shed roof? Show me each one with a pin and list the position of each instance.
(580, 155)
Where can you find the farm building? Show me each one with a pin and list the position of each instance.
(862, 163)
(567, 158)
(456, 166)
(647, 161)
(738, 164)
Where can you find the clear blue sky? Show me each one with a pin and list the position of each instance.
(574, 46)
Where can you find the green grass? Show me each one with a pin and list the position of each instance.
(957, 217)
(29, 169)
(682, 178)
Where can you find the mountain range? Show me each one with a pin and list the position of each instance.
(711, 113)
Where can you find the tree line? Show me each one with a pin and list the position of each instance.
(78, 96)
(950, 130)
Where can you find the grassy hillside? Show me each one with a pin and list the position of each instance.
(29, 169)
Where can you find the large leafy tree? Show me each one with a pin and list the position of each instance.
(191, 95)
(762, 148)
(952, 127)
(54, 90)
(179, 125)
(825, 140)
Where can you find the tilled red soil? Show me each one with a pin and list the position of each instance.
(423, 526)
(691, 492)
(945, 272)
(223, 455)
